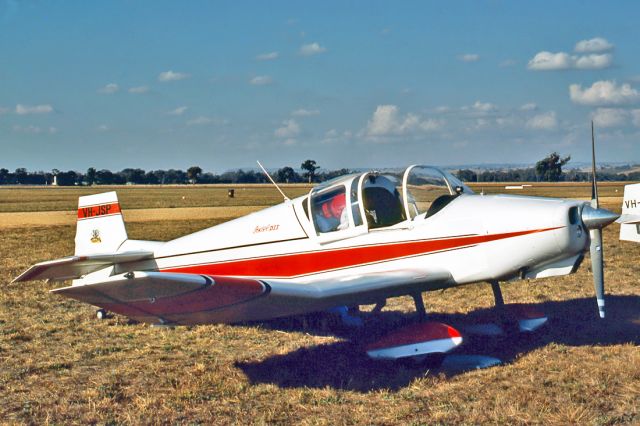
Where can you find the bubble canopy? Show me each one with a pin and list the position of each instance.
(427, 188)
(359, 202)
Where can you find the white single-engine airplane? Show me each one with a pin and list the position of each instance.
(358, 239)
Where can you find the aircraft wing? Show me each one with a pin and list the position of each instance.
(360, 288)
(176, 298)
(77, 266)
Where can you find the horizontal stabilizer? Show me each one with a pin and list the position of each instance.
(629, 218)
(77, 266)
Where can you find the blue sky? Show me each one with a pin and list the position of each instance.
(159, 84)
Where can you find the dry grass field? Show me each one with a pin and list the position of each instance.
(59, 365)
(37, 199)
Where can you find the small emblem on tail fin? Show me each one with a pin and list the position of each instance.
(95, 236)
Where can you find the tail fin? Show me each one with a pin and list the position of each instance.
(100, 227)
(630, 219)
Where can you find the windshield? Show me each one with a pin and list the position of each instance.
(428, 189)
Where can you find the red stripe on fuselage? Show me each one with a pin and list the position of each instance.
(99, 210)
(298, 264)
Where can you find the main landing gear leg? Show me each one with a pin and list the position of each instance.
(420, 311)
(509, 324)
(497, 295)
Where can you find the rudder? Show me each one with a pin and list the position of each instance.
(100, 227)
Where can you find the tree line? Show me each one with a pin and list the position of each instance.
(21, 176)
(549, 169)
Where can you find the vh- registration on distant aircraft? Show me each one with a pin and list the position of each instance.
(355, 240)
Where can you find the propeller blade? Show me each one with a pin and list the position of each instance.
(597, 267)
(594, 219)
(594, 183)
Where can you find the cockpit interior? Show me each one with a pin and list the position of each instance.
(375, 200)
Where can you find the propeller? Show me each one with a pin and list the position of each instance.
(594, 219)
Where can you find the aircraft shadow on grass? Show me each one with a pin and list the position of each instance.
(344, 364)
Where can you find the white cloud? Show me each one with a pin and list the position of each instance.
(545, 61)
(430, 124)
(334, 136)
(593, 62)
(609, 117)
(34, 130)
(548, 61)
(103, 128)
(261, 80)
(615, 117)
(603, 93)
(290, 129)
(202, 120)
(529, 107)
(305, 112)
(3, 110)
(507, 121)
(178, 111)
(469, 57)
(507, 63)
(312, 49)
(172, 76)
(594, 45)
(481, 123)
(544, 121)
(477, 109)
(386, 121)
(139, 89)
(109, 89)
(199, 121)
(36, 109)
(484, 106)
(30, 129)
(270, 56)
(331, 133)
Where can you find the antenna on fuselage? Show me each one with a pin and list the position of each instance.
(273, 182)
